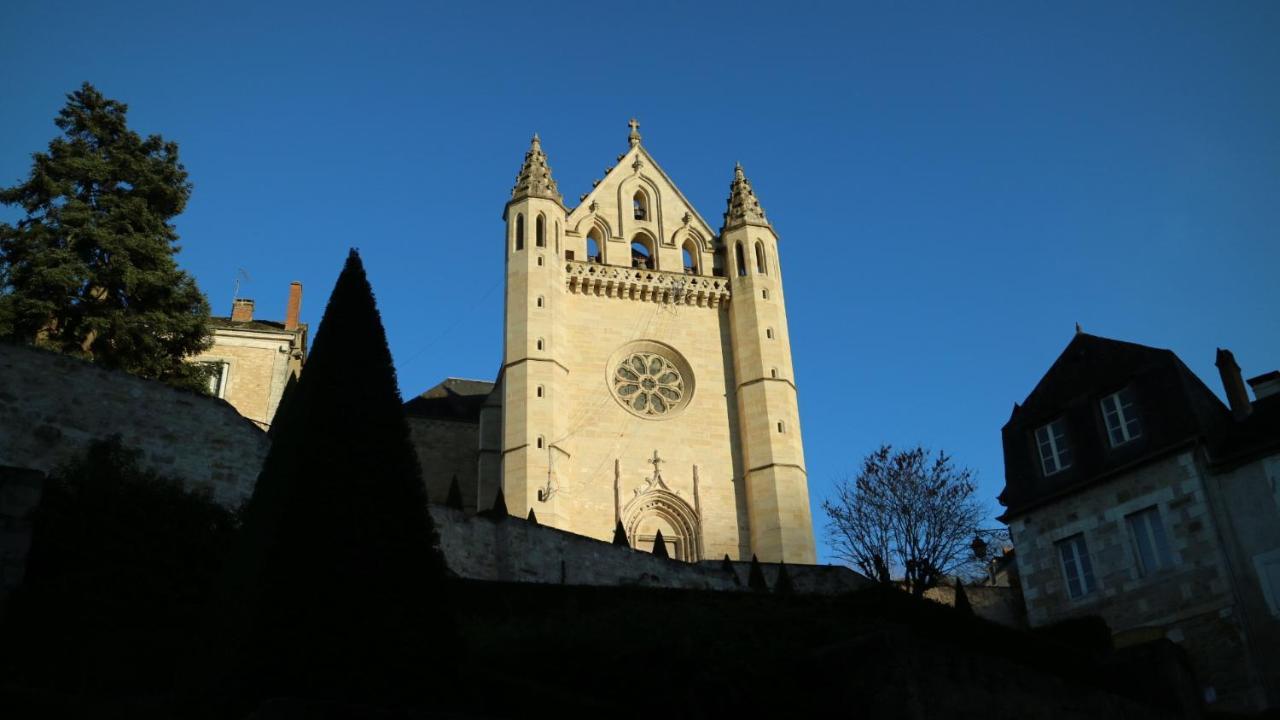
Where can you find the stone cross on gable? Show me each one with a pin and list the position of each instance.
(655, 462)
(634, 136)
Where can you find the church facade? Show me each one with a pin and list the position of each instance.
(646, 375)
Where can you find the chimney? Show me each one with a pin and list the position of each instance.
(1266, 385)
(241, 310)
(295, 306)
(1233, 384)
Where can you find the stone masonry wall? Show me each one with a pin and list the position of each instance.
(446, 448)
(515, 550)
(53, 406)
(1190, 602)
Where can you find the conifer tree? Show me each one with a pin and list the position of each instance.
(454, 498)
(783, 586)
(962, 599)
(755, 577)
(340, 576)
(90, 269)
(660, 547)
(620, 536)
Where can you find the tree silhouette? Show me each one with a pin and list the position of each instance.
(620, 536)
(339, 576)
(755, 577)
(908, 511)
(962, 599)
(454, 498)
(660, 547)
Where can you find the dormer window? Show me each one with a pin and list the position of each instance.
(1055, 454)
(1122, 417)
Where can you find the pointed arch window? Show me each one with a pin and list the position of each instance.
(519, 231)
(742, 262)
(540, 232)
(690, 257)
(593, 246)
(642, 253)
(760, 264)
(640, 205)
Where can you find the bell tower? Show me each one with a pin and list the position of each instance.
(768, 414)
(533, 367)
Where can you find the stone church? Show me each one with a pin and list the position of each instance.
(646, 374)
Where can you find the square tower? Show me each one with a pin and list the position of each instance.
(646, 375)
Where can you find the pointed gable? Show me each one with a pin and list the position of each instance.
(1173, 406)
(668, 216)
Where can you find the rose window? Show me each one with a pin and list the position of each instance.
(648, 383)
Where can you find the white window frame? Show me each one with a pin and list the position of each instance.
(1081, 566)
(1146, 527)
(222, 370)
(1121, 417)
(1055, 438)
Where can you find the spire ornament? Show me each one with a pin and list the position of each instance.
(633, 138)
(534, 178)
(743, 207)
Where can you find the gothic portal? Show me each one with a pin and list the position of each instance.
(646, 374)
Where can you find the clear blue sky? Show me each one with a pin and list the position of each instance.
(955, 184)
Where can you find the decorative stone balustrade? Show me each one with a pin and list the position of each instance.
(589, 278)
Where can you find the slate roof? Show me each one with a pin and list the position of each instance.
(228, 323)
(1174, 407)
(454, 399)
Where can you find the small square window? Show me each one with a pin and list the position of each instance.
(1055, 453)
(1122, 417)
(1150, 542)
(1077, 569)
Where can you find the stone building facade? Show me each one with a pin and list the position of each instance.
(255, 360)
(1134, 494)
(646, 375)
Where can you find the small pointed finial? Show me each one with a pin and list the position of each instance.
(737, 171)
(1078, 329)
(634, 136)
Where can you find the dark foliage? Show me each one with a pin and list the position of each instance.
(907, 511)
(533, 517)
(454, 498)
(962, 599)
(499, 509)
(620, 536)
(660, 546)
(878, 653)
(122, 565)
(783, 584)
(338, 579)
(755, 578)
(89, 270)
(727, 566)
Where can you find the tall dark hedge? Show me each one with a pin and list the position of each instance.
(338, 580)
(122, 566)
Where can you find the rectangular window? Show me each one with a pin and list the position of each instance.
(218, 378)
(1121, 416)
(1055, 454)
(1076, 567)
(1150, 543)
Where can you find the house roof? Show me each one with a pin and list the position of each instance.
(1173, 406)
(265, 325)
(456, 399)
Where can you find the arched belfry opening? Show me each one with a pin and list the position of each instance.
(640, 205)
(642, 253)
(761, 267)
(594, 244)
(689, 255)
(742, 262)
